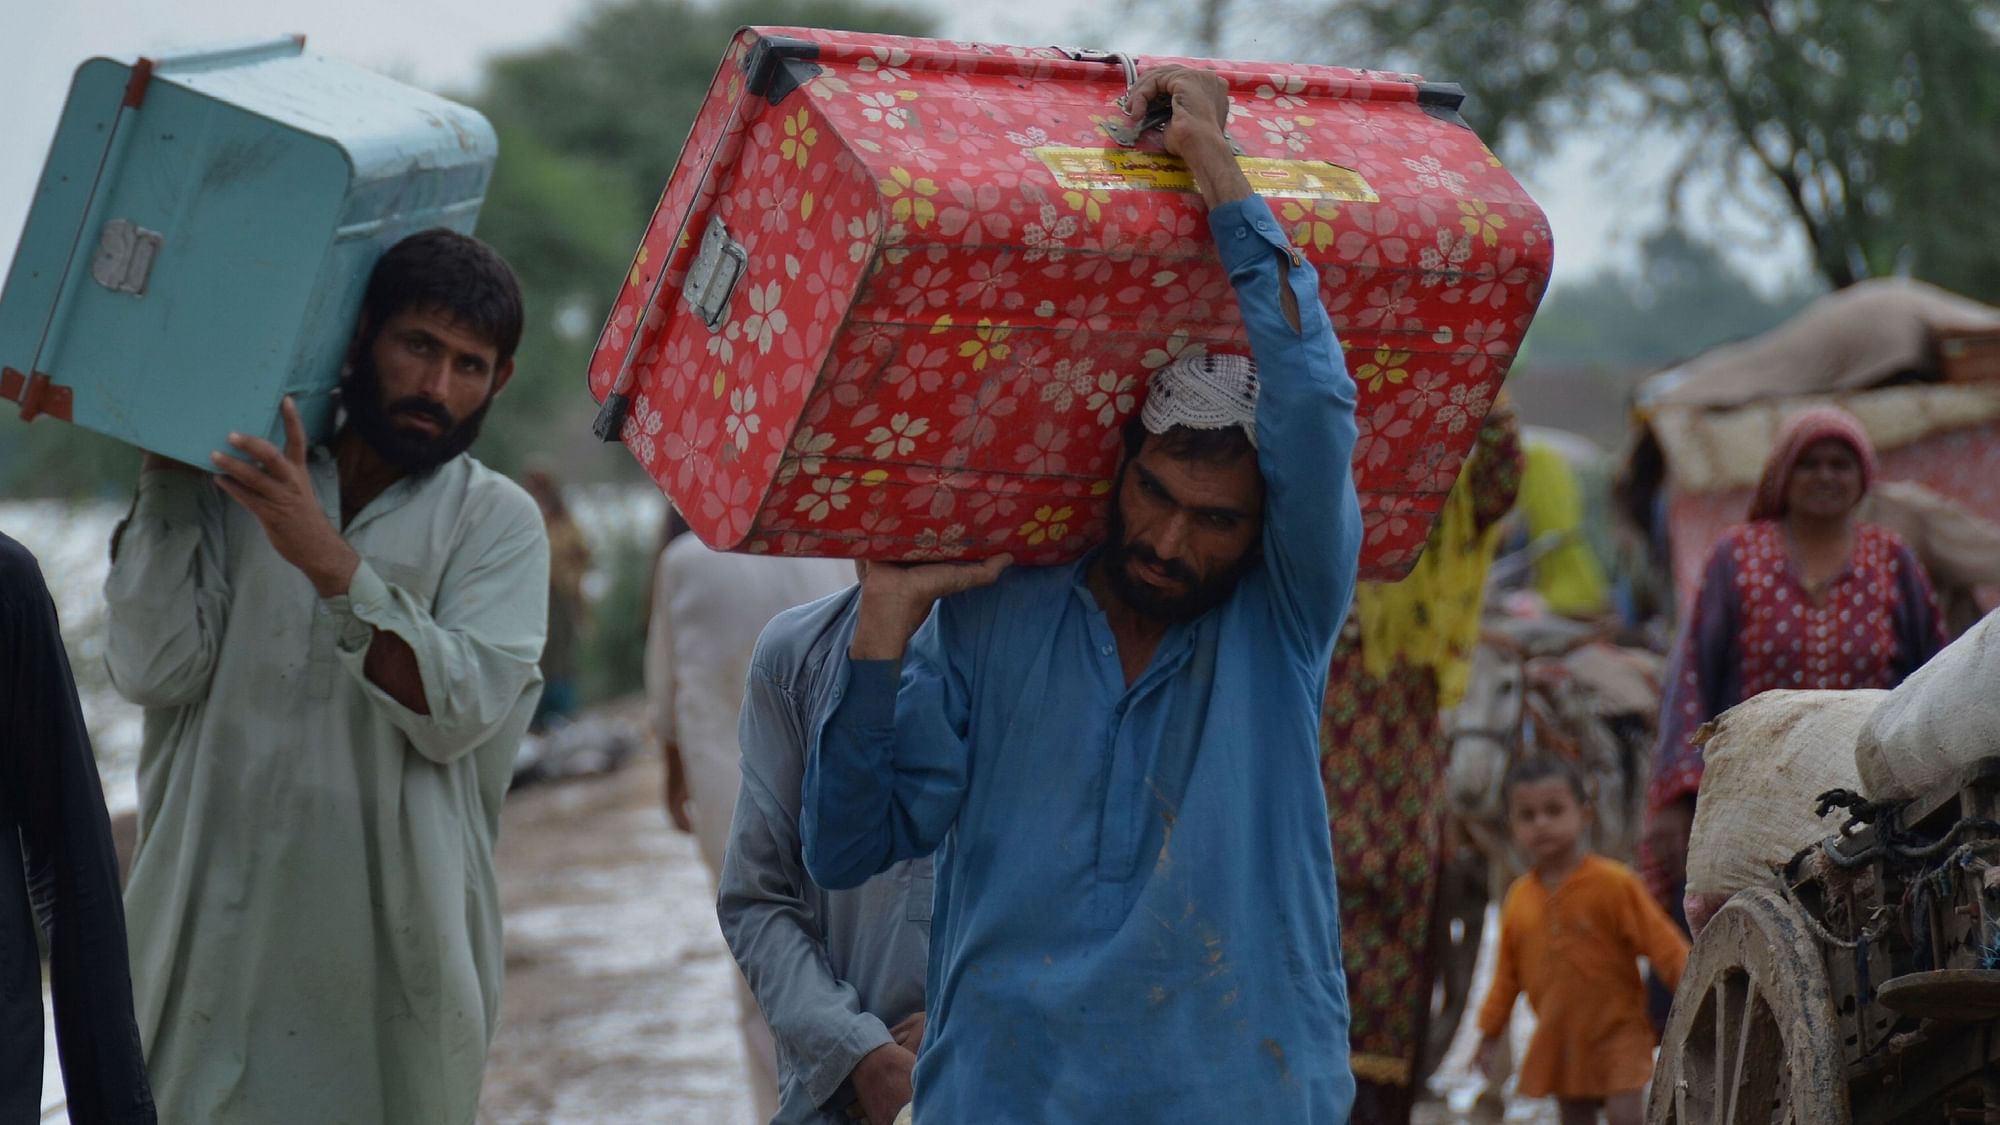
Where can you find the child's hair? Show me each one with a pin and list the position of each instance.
(1543, 767)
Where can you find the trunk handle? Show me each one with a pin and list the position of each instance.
(1157, 114)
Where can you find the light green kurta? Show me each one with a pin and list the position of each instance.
(314, 918)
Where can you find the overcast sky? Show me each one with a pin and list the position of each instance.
(1600, 193)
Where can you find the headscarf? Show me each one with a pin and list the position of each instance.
(1203, 392)
(1801, 432)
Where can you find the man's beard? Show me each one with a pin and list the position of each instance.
(1200, 596)
(375, 421)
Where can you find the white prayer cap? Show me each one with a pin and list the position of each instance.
(1203, 392)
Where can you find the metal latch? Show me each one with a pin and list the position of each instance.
(125, 256)
(711, 280)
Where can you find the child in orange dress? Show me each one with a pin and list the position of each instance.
(1571, 933)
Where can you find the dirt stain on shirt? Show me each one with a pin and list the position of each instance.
(1278, 1053)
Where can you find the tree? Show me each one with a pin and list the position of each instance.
(1866, 116)
(1681, 298)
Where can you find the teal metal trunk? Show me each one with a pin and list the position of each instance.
(203, 231)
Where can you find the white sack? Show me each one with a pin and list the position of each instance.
(1768, 760)
(1942, 719)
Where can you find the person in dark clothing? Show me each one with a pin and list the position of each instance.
(57, 870)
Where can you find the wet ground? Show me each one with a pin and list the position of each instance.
(1455, 1087)
(618, 1004)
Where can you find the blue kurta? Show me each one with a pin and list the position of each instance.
(1135, 915)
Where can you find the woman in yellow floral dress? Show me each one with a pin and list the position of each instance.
(1402, 657)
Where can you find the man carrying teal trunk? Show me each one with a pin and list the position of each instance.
(336, 647)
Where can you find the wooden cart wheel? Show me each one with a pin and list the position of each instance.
(1454, 953)
(1753, 1036)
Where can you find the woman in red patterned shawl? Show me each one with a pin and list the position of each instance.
(1803, 596)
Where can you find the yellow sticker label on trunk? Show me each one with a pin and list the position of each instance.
(1112, 169)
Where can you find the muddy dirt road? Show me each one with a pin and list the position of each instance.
(618, 1005)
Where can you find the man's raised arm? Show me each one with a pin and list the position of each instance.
(887, 765)
(168, 590)
(1305, 400)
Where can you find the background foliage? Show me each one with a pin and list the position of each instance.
(1862, 117)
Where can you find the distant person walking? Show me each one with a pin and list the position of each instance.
(1568, 576)
(58, 876)
(1403, 655)
(1572, 931)
(708, 609)
(569, 563)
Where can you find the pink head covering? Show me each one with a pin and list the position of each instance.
(1801, 432)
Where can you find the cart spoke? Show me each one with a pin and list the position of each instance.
(1739, 1065)
(1719, 1075)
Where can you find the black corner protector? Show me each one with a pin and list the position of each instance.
(610, 423)
(779, 64)
(1442, 101)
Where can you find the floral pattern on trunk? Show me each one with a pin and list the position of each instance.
(938, 337)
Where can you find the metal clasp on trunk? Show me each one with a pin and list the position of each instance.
(124, 259)
(711, 280)
(712, 277)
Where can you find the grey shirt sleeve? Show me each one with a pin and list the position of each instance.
(766, 904)
(168, 591)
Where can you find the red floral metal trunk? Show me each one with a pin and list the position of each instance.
(901, 295)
